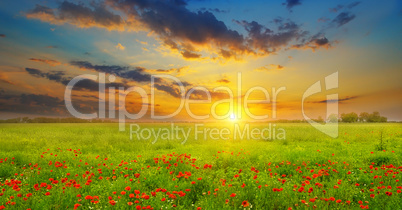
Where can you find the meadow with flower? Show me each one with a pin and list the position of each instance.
(90, 166)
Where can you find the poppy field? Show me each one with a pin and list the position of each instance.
(94, 166)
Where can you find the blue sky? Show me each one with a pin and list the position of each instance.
(273, 43)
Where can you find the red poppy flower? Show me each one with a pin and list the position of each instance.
(245, 203)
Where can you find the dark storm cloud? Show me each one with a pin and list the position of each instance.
(343, 18)
(57, 76)
(178, 27)
(337, 100)
(32, 104)
(321, 41)
(216, 10)
(184, 83)
(110, 69)
(202, 95)
(125, 72)
(266, 40)
(44, 104)
(41, 100)
(291, 3)
(60, 77)
(171, 90)
(39, 9)
(177, 23)
(4, 96)
(121, 71)
(87, 96)
(190, 55)
(2, 35)
(315, 42)
(174, 91)
(79, 15)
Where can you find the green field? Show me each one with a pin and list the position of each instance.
(95, 166)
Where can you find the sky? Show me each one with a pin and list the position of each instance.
(203, 43)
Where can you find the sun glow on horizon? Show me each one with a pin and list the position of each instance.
(232, 117)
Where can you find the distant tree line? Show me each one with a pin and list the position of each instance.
(344, 117)
(353, 117)
(290, 121)
(52, 120)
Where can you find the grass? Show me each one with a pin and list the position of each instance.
(96, 166)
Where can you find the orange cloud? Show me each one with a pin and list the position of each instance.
(120, 46)
(4, 78)
(315, 43)
(192, 34)
(49, 62)
(270, 67)
(190, 55)
(78, 15)
(223, 81)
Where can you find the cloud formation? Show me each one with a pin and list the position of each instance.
(177, 71)
(42, 104)
(40, 100)
(78, 15)
(4, 78)
(343, 18)
(190, 55)
(291, 3)
(265, 40)
(323, 20)
(270, 67)
(52, 46)
(336, 9)
(340, 100)
(214, 10)
(136, 74)
(2, 35)
(223, 81)
(60, 77)
(32, 104)
(179, 28)
(202, 95)
(171, 90)
(49, 62)
(340, 6)
(317, 41)
(120, 46)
